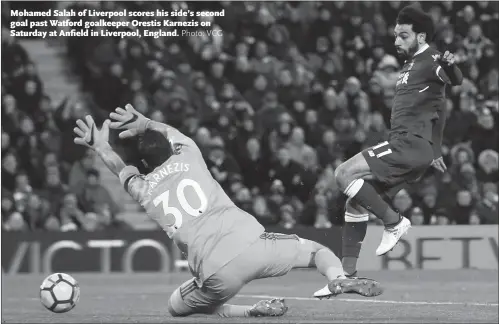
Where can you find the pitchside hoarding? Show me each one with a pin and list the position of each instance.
(425, 247)
(435, 247)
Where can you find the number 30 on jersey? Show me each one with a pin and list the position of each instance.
(186, 206)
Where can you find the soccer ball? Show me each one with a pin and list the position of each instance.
(59, 293)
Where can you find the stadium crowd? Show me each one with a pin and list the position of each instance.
(276, 102)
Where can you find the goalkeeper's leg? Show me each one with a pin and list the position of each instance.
(285, 252)
(190, 299)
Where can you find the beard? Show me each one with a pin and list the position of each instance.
(413, 48)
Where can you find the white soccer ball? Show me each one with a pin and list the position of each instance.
(59, 293)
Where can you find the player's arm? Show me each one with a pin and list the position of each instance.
(111, 159)
(448, 71)
(97, 140)
(437, 137)
(134, 183)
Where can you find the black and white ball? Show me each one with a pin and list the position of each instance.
(59, 293)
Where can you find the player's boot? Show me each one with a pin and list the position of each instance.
(272, 307)
(391, 236)
(362, 286)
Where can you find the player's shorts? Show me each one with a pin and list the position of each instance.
(272, 255)
(401, 159)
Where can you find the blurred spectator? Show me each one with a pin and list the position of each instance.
(486, 209)
(287, 171)
(254, 166)
(270, 113)
(37, 212)
(53, 191)
(316, 212)
(314, 129)
(441, 218)
(297, 148)
(65, 117)
(261, 211)
(243, 199)
(78, 172)
(402, 201)
(475, 42)
(221, 164)
(429, 204)
(70, 215)
(14, 56)
(93, 197)
(9, 171)
(465, 204)
(417, 216)
(8, 206)
(484, 134)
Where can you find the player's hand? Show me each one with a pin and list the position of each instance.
(439, 164)
(88, 135)
(129, 120)
(448, 58)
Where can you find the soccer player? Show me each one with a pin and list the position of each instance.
(225, 246)
(371, 178)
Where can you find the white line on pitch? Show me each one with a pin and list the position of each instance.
(334, 299)
(374, 301)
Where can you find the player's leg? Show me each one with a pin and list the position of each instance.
(217, 290)
(350, 177)
(312, 254)
(234, 276)
(355, 228)
(353, 233)
(282, 252)
(389, 163)
(177, 306)
(190, 299)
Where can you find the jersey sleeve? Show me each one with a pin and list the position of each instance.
(437, 70)
(441, 74)
(134, 183)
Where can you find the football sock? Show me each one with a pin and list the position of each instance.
(365, 195)
(233, 311)
(353, 236)
(328, 264)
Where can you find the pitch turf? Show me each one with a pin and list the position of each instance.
(428, 296)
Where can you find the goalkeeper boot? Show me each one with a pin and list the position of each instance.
(342, 285)
(272, 307)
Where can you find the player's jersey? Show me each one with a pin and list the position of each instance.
(185, 200)
(418, 94)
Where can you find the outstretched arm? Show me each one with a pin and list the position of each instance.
(88, 135)
(111, 159)
(448, 71)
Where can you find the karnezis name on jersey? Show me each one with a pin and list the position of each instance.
(155, 177)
